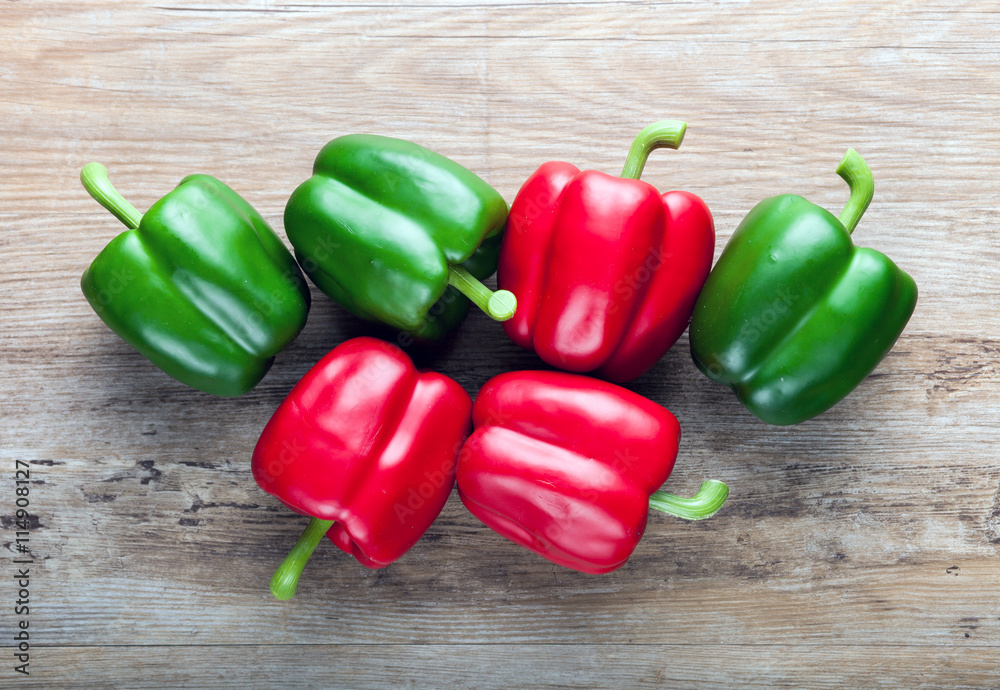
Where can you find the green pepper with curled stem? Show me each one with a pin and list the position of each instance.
(200, 284)
(794, 315)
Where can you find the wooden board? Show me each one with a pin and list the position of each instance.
(860, 548)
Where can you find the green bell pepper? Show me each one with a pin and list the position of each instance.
(794, 316)
(396, 233)
(201, 285)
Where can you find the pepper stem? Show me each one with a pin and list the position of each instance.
(706, 503)
(94, 177)
(664, 134)
(285, 580)
(858, 177)
(499, 305)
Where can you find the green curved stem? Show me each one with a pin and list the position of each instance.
(706, 503)
(858, 177)
(94, 177)
(285, 580)
(499, 305)
(664, 134)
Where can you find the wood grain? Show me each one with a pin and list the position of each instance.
(860, 548)
(505, 666)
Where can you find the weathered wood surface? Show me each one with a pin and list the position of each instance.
(860, 548)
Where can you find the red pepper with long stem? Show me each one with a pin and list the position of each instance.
(568, 467)
(606, 270)
(366, 446)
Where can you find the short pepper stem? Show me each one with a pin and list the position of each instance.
(285, 580)
(664, 134)
(860, 181)
(499, 305)
(710, 497)
(96, 181)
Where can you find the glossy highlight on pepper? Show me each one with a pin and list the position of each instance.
(606, 270)
(794, 315)
(200, 284)
(366, 446)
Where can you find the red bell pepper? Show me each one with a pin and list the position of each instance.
(366, 446)
(606, 271)
(568, 467)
